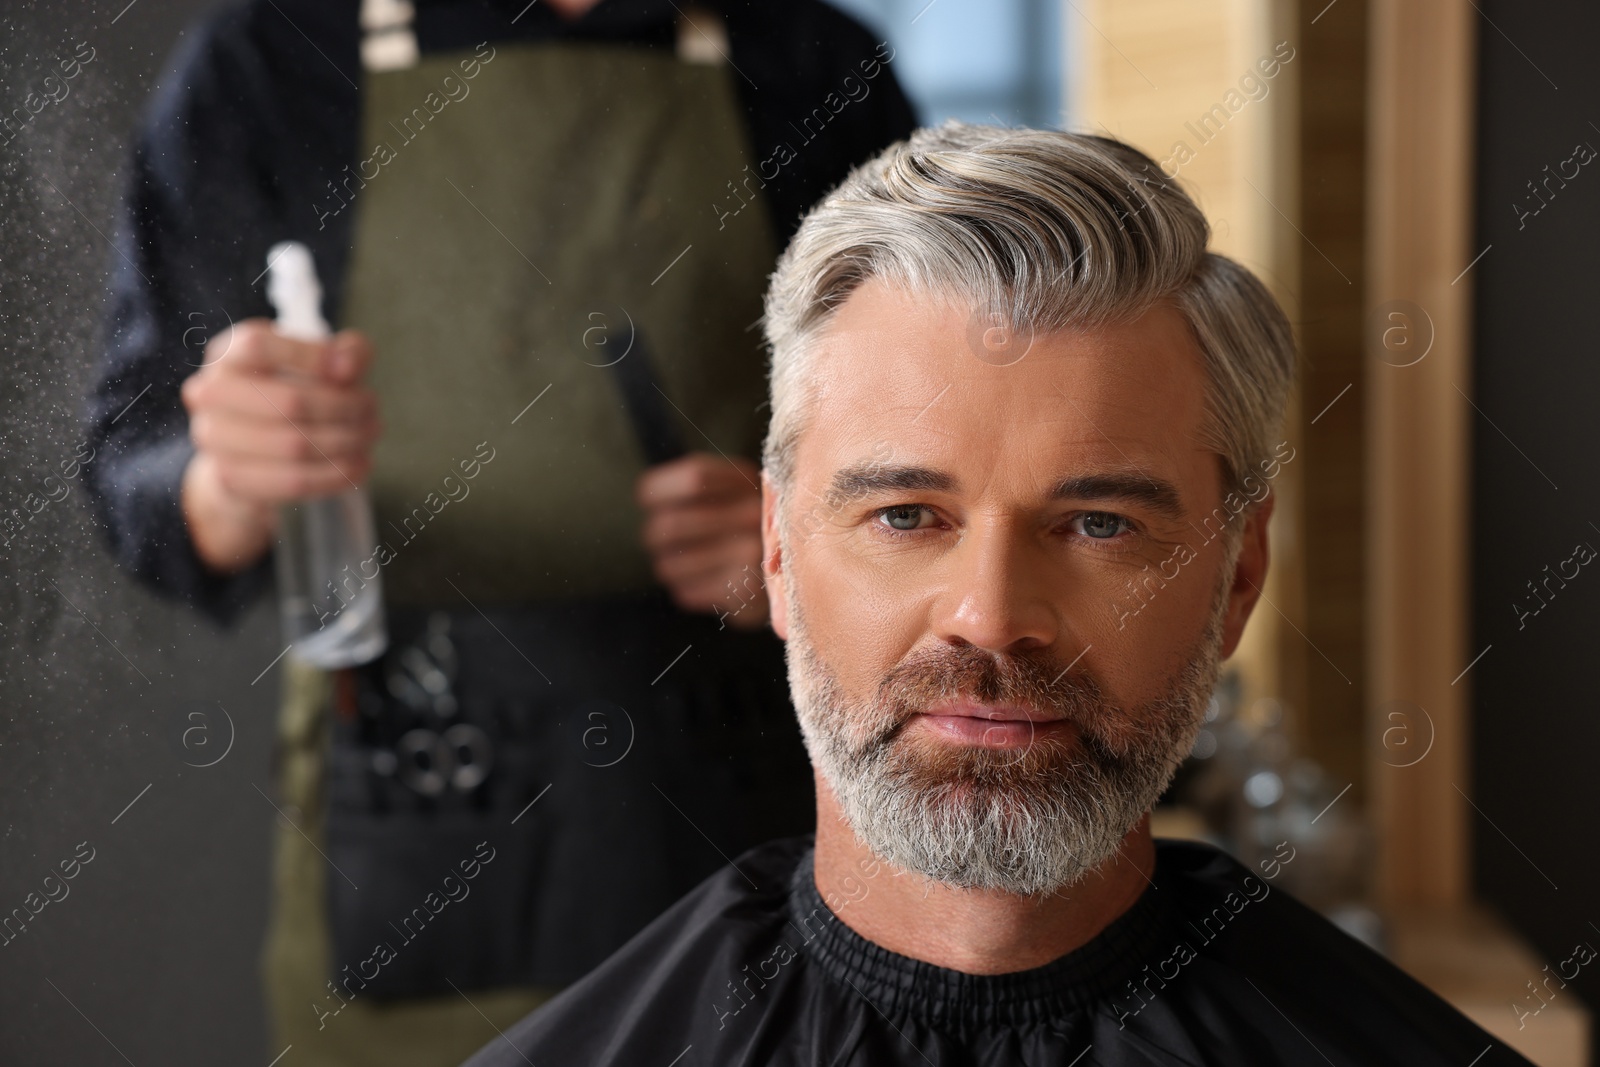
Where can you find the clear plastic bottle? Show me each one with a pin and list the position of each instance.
(332, 612)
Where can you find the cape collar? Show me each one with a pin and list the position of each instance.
(897, 984)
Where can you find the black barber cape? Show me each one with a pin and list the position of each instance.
(1212, 965)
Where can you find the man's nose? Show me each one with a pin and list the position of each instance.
(998, 592)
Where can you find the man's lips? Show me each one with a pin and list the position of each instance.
(991, 725)
(994, 712)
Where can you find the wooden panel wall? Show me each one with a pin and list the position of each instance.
(1418, 446)
(1332, 41)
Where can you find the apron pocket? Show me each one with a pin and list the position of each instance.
(423, 900)
(604, 783)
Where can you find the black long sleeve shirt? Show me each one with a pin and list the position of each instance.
(246, 138)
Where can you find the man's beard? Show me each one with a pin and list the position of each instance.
(1028, 820)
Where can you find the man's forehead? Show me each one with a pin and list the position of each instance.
(889, 336)
(897, 369)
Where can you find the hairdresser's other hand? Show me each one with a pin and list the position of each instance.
(703, 532)
(273, 420)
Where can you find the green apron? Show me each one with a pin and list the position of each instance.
(511, 243)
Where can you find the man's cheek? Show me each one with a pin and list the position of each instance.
(839, 619)
(1145, 636)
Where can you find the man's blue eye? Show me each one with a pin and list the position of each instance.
(1102, 525)
(904, 516)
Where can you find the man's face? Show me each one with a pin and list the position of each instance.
(997, 658)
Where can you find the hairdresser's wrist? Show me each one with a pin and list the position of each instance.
(229, 532)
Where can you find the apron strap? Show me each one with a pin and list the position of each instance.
(702, 36)
(388, 41)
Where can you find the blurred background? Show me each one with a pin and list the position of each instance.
(1413, 708)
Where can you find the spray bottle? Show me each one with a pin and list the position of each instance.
(332, 611)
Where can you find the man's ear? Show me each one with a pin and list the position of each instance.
(1249, 575)
(772, 560)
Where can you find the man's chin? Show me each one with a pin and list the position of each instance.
(972, 835)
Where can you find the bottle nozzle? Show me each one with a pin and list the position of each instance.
(294, 291)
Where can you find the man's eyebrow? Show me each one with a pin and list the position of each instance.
(867, 479)
(1159, 496)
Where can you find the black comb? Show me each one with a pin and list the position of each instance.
(653, 418)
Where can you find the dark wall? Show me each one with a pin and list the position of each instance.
(155, 943)
(1536, 481)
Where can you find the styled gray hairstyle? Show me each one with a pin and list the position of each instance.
(1047, 231)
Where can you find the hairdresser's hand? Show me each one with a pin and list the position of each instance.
(703, 531)
(273, 420)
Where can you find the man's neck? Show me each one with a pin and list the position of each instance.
(971, 930)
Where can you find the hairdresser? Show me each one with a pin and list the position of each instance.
(542, 230)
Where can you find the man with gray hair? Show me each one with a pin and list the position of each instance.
(1009, 383)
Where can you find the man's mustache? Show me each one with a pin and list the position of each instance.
(937, 675)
